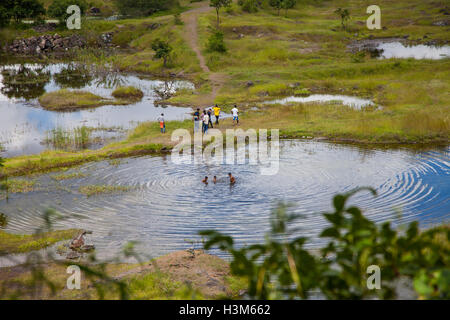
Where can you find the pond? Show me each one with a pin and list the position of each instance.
(353, 102)
(25, 126)
(399, 50)
(168, 204)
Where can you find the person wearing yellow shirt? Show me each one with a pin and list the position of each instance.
(216, 110)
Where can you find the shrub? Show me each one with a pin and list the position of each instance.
(216, 42)
(249, 6)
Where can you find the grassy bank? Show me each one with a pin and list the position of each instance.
(12, 243)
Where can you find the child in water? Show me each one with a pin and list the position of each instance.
(214, 179)
(205, 181)
(232, 179)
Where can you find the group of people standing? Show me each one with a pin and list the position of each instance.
(205, 118)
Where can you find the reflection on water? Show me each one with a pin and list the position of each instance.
(24, 82)
(399, 50)
(354, 102)
(24, 125)
(170, 204)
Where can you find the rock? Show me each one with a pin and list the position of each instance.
(45, 44)
(94, 11)
(249, 84)
(87, 248)
(442, 23)
(73, 255)
(153, 26)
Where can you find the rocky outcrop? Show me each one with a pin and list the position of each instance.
(46, 45)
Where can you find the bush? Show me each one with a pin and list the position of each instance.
(58, 8)
(249, 6)
(216, 43)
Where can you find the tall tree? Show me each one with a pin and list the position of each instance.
(218, 4)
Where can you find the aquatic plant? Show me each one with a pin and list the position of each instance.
(283, 267)
(78, 138)
(93, 190)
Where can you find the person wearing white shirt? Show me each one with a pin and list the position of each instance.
(235, 113)
(205, 119)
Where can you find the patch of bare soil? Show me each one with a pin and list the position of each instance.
(204, 272)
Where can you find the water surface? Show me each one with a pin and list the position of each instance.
(24, 125)
(399, 50)
(169, 204)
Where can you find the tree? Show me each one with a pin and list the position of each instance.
(58, 8)
(288, 4)
(143, 7)
(162, 50)
(277, 4)
(218, 4)
(344, 14)
(4, 16)
(19, 9)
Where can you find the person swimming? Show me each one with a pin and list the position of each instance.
(232, 179)
(214, 179)
(205, 181)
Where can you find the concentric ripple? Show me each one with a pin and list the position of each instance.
(168, 204)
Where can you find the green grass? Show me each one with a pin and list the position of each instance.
(71, 99)
(62, 176)
(13, 243)
(160, 286)
(127, 93)
(17, 185)
(94, 190)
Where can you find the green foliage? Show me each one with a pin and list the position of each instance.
(344, 14)
(218, 4)
(216, 43)
(19, 9)
(58, 8)
(283, 268)
(177, 19)
(162, 50)
(250, 6)
(143, 7)
(282, 4)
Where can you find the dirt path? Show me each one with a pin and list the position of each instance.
(190, 19)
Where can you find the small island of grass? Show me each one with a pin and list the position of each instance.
(71, 99)
(128, 93)
(15, 243)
